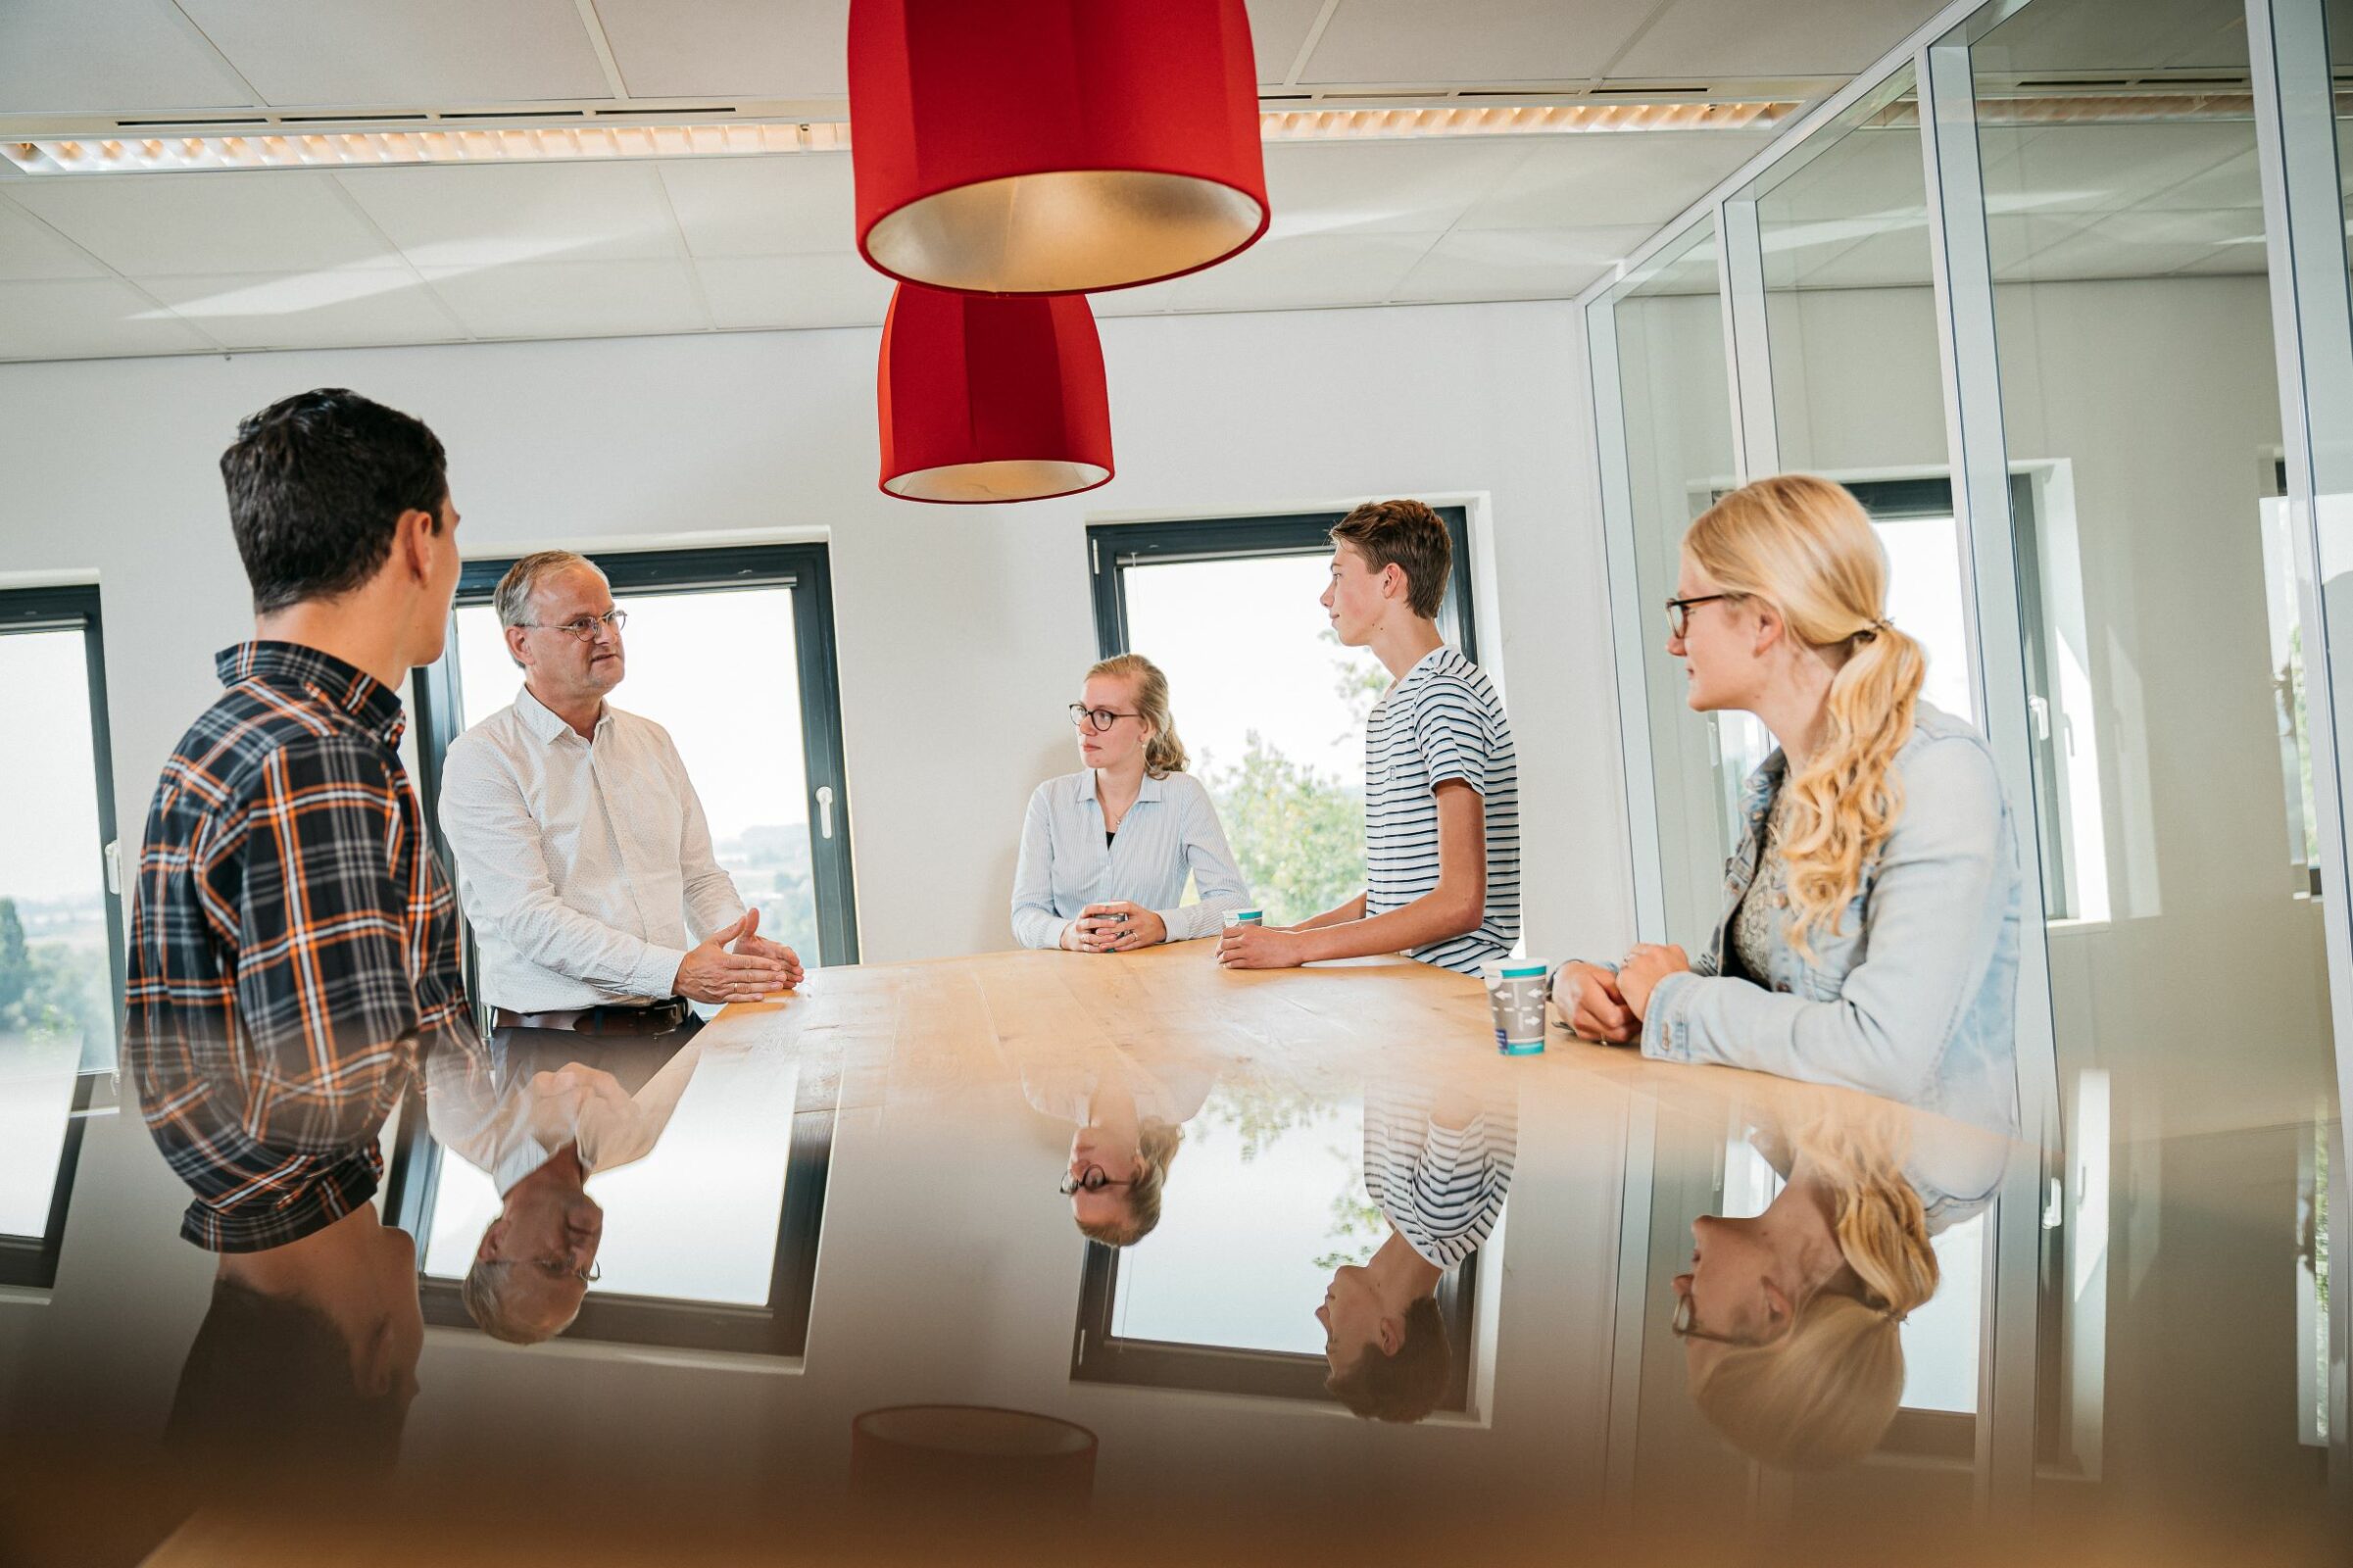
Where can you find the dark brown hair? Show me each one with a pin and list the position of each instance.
(316, 484)
(1408, 534)
(1406, 1386)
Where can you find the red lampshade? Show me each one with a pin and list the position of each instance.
(991, 396)
(1052, 146)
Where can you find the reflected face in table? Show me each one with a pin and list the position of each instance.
(1355, 1324)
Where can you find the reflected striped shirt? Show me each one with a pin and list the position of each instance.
(1440, 1172)
(1442, 722)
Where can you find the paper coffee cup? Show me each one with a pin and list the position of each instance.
(1246, 917)
(1515, 995)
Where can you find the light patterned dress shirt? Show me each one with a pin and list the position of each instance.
(582, 863)
(1170, 834)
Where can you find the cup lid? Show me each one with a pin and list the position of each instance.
(1525, 969)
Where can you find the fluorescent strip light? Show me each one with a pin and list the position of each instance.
(458, 143)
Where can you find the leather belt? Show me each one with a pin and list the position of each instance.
(660, 1018)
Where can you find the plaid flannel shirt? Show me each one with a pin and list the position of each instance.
(292, 944)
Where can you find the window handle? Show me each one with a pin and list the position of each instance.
(114, 866)
(825, 810)
(2039, 710)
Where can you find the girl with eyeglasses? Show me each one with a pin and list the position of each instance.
(1870, 933)
(1106, 851)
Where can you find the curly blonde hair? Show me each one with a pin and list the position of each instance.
(1823, 1393)
(1164, 753)
(1807, 547)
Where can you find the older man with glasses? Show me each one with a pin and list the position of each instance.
(583, 855)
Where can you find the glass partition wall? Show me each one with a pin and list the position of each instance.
(2060, 289)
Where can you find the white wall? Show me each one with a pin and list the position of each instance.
(963, 630)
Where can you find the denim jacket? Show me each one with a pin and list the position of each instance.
(1912, 998)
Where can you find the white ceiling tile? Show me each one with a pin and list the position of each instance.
(1518, 263)
(571, 299)
(93, 56)
(2103, 168)
(80, 319)
(750, 291)
(1412, 41)
(413, 53)
(1314, 270)
(2151, 243)
(1892, 258)
(1372, 187)
(723, 49)
(313, 310)
(2145, 35)
(2014, 239)
(31, 248)
(1699, 39)
(1277, 29)
(1866, 172)
(1586, 181)
(163, 225)
(488, 215)
(787, 205)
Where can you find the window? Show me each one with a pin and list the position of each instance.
(764, 751)
(61, 931)
(712, 1238)
(1217, 604)
(1266, 1199)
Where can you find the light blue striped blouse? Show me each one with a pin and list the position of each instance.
(1171, 830)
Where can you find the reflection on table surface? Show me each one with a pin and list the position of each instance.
(1304, 1263)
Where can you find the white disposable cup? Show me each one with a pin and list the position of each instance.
(1233, 918)
(1517, 992)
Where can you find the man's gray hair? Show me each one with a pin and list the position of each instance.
(513, 596)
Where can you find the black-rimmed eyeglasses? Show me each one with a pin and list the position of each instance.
(1091, 1180)
(1098, 718)
(1679, 611)
(585, 628)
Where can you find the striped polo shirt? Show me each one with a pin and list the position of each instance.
(1443, 721)
(1441, 1187)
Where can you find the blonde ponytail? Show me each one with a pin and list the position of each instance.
(1806, 545)
(1165, 753)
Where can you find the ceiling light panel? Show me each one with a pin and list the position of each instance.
(471, 144)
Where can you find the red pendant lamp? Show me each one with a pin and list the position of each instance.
(1053, 146)
(991, 396)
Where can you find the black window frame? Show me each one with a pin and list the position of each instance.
(1114, 546)
(779, 1327)
(30, 1262)
(1098, 1355)
(806, 570)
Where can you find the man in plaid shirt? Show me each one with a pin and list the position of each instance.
(294, 944)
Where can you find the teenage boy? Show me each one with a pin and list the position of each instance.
(293, 943)
(1442, 815)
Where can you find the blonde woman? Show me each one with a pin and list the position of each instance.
(1870, 918)
(1106, 851)
(1792, 1321)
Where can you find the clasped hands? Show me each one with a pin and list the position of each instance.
(1611, 1007)
(757, 967)
(1116, 927)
